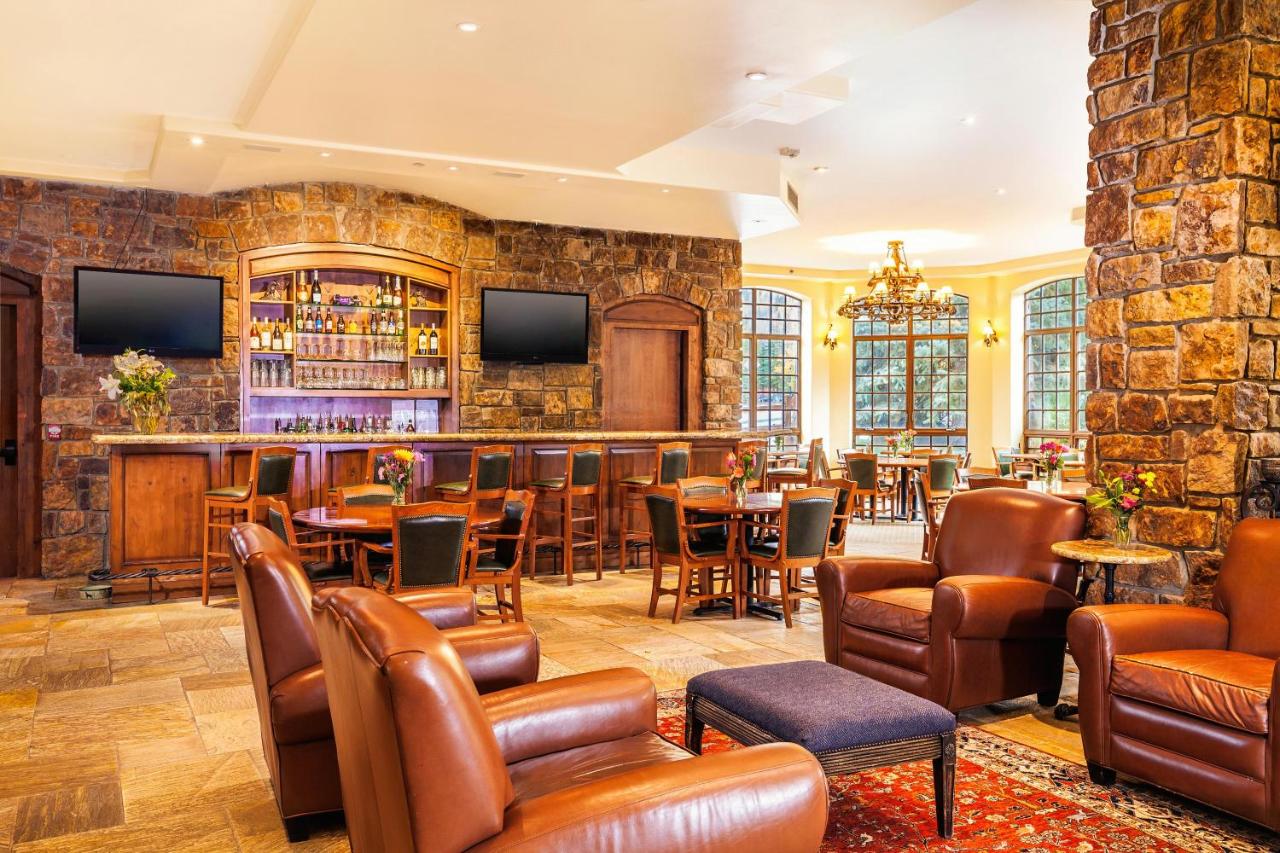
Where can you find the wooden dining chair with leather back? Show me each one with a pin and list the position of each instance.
(676, 543)
(939, 479)
(815, 468)
(582, 469)
(499, 555)
(863, 470)
(270, 476)
(372, 465)
(803, 540)
(430, 546)
(492, 466)
(372, 494)
(930, 513)
(671, 462)
(846, 493)
(757, 476)
(696, 487)
(324, 559)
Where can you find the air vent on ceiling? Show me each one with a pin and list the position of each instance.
(509, 174)
(256, 146)
(792, 198)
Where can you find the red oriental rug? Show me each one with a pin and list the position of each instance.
(1008, 797)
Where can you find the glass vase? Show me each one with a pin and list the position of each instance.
(145, 413)
(1122, 536)
(739, 491)
(1052, 479)
(397, 493)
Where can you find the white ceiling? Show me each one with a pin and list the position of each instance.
(613, 114)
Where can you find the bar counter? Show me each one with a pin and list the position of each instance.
(158, 481)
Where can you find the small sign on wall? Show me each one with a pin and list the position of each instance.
(53, 432)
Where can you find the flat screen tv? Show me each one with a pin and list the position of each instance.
(533, 327)
(166, 314)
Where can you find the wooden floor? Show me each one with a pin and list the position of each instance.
(134, 729)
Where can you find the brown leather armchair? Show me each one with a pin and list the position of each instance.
(572, 763)
(984, 620)
(289, 683)
(1185, 697)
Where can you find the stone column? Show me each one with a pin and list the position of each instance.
(1182, 218)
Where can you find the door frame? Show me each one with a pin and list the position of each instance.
(22, 289)
(662, 313)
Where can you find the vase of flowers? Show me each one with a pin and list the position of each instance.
(141, 383)
(740, 467)
(397, 472)
(1123, 496)
(902, 443)
(1052, 456)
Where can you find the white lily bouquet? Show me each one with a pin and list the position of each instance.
(141, 383)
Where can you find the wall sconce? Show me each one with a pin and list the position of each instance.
(989, 335)
(831, 339)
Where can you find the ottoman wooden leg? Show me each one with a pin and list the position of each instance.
(692, 728)
(944, 785)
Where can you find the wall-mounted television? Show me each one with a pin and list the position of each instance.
(166, 314)
(533, 327)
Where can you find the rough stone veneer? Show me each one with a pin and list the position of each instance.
(49, 228)
(1182, 219)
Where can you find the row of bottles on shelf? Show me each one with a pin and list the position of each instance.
(273, 336)
(277, 336)
(273, 373)
(342, 423)
(370, 323)
(389, 293)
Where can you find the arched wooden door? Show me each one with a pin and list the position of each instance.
(651, 349)
(20, 359)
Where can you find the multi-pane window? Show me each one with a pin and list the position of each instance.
(912, 376)
(1054, 393)
(771, 325)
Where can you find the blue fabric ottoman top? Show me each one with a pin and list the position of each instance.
(821, 706)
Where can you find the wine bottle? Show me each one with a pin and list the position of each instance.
(288, 336)
(315, 287)
(342, 325)
(433, 348)
(422, 340)
(391, 323)
(382, 323)
(382, 291)
(397, 298)
(264, 335)
(304, 292)
(305, 325)
(328, 322)
(253, 333)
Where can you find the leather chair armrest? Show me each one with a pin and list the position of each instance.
(497, 656)
(840, 576)
(778, 792)
(450, 607)
(577, 710)
(996, 607)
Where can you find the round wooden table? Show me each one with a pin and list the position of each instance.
(756, 504)
(371, 520)
(901, 467)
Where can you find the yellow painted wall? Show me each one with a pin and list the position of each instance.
(994, 417)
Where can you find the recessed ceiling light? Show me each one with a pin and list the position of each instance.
(562, 180)
(969, 121)
(757, 75)
(197, 141)
(453, 168)
(821, 169)
(665, 190)
(756, 221)
(326, 154)
(468, 27)
(1001, 191)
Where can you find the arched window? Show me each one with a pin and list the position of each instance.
(1054, 347)
(771, 325)
(913, 378)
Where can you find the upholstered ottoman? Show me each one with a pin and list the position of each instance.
(848, 721)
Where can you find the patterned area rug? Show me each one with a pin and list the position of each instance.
(1008, 797)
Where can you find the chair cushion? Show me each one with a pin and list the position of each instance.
(903, 611)
(326, 570)
(549, 483)
(707, 546)
(460, 488)
(788, 472)
(766, 548)
(637, 481)
(1229, 688)
(235, 492)
(300, 707)
(381, 578)
(489, 563)
(546, 774)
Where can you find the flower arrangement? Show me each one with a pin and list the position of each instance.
(1052, 455)
(902, 443)
(740, 467)
(396, 470)
(141, 383)
(1122, 496)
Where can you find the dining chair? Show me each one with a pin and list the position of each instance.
(863, 469)
(331, 566)
(676, 543)
(489, 477)
(1008, 466)
(846, 494)
(583, 464)
(270, 476)
(499, 553)
(371, 494)
(671, 462)
(984, 482)
(815, 467)
(930, 513)
(923, 452)
(939, 479)
(372, 465)
(429, 548)
(803, 540)
(696, 487)
(756, 477)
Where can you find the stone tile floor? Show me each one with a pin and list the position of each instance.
(133, 728)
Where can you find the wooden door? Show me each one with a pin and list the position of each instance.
(644, 370)
(19, 424)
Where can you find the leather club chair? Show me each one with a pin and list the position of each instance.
(982, 621)
(289, 683)
(572, 763)
(1185, 697)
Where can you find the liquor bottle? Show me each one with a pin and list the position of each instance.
(433, 348)
(391, 323)
(264, 335)
(253, 333)
(422, 340)
(364, 329)
(342, 325)
(397, 298)
(277, 339)
(305, 325)
(304, 292)
(386, 293)
(288, 336)
(315, 287)
(381, 292)
(382, 323)
(328, 322)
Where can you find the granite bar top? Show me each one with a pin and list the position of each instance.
(268, 438)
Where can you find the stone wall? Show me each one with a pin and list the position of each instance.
(1182, 219)
(49, 228)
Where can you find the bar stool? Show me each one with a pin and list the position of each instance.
(489, 478)
(581, 478)
(271, 477)
(372, 463)
(671, 463)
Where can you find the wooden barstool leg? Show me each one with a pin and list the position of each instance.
(595, 533)
(656, 567)
(204, 559)
(624, 495)
(566, 534)
(531, 547)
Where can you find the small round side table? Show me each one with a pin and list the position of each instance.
(1108, 555)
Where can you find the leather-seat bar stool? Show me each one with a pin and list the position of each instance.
(583, 463)
(489, 479)
(671, 463)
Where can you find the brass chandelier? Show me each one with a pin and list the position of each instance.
(898, 292)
